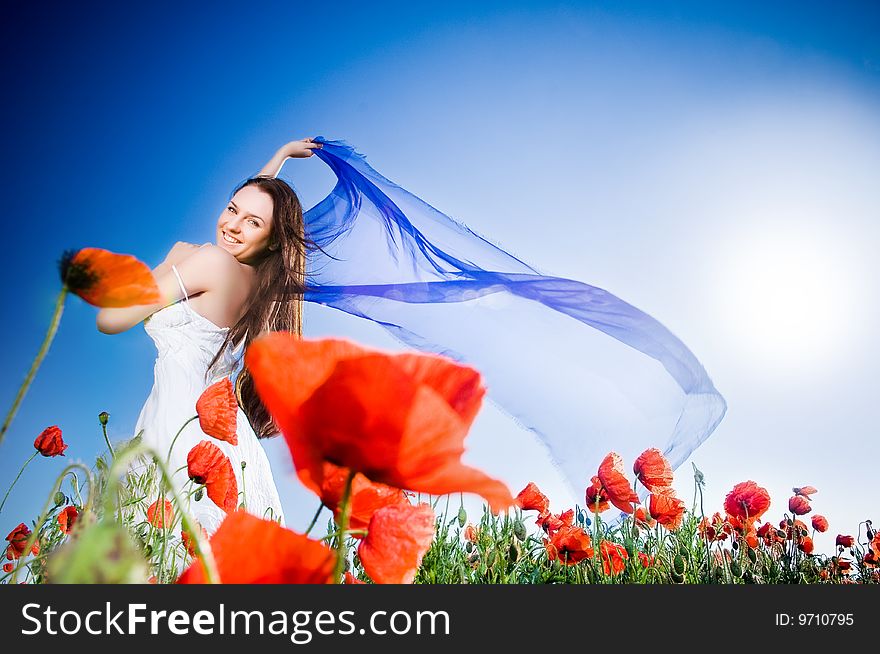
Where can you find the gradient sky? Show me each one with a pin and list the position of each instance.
(713, 165)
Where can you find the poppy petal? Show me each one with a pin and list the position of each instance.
(398, 539)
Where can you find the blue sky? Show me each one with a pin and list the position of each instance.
(715, 166)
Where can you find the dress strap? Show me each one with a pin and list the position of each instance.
(180, 281)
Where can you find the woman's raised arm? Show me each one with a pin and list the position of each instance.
(296, 149)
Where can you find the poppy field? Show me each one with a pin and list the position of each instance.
(378, 438)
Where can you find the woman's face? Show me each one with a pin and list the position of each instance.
(245, 225)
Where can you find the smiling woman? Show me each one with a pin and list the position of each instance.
(216, 298)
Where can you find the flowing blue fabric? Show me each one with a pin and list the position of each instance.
(586, 372)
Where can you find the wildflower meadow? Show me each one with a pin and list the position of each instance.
(378, 438)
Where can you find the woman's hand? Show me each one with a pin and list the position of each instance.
(300, 149)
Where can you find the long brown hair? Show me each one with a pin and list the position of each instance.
(276, 301)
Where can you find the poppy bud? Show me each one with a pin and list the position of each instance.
(679, 565)
(59, 498)
(870, 534)
(468, 546)
(199, 493)
(514, 551)
(519, 530)
(677, 578)
(683, 551)
(243, 465)
(753, 555)
(630, 549)
(735, 545)
(103, 417)
(736, 569)
(462, 516)
(719, 575)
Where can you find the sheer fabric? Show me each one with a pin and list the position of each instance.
(583, 370)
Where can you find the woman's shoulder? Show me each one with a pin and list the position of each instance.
(211, 266)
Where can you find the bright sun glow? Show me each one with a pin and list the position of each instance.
(788, 299)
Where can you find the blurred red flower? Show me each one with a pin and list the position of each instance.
(67, 518)
(820, 523)
(161, 516)
(50, 443)
(569, 544)
(667, 509)
(366, 497)
(206, 464)
(249, 550)
(531, 498)
(349, 578)
(799, 505)
(106, 279)
(18, 539)
(615, 483)
(747, 501)
(653, 470)
(714, 529)
(646, 560)
(217, 408)
(596, 498)
(398, 538)
(470, 533)
(614, 557)
(400, 419)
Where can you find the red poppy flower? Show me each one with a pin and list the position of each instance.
(160, 516)
(799, 505)
(647, 560)
(615, 483)
(804, 491)
(206, 464)
(249, 550)
(531, 498)
(190, 543)
(218, 411)
(844, 565)
(596, 497)
(747, 500)
(400, 419)
(844, 541)
(398, 538)
(875, 544)
(8, 567)
(745, 529)
(552, 523)
(18, 539)
(715, 529)
(50, 443)
(820, 523)
(66, 518)
(105, 279)
(643, 519)
(667, 509)
(653, 470)
(805, 545)
(570, 545)
(470, 533)
(614, 557)
(366, 497)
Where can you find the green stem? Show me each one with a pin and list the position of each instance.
(179, 432)
(47, 341)
(343, 526)
(315, 519)
(107, 440)
(9, 490)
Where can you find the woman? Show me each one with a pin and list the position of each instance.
(218, 298)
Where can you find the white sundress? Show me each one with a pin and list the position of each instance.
(187, 342)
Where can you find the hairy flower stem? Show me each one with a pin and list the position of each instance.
(9, 490)
(343, 526)
(177, 435)
(47, 341)
(107, 440)
(44, 514)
